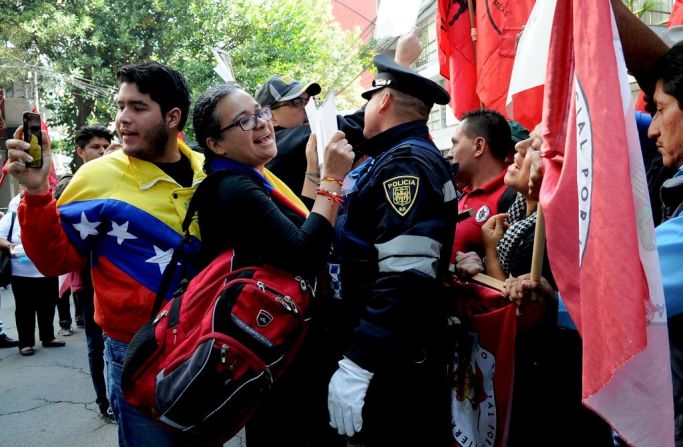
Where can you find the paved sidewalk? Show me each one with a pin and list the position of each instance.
(48, 399)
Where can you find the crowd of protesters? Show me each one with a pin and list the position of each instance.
(381, 228)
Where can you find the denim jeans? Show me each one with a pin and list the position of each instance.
(135, 429)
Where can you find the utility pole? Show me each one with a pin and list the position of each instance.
(35, 90)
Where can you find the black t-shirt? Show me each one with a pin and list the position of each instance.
(180, 171)
(239, 213)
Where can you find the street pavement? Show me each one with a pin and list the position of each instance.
(48, 399)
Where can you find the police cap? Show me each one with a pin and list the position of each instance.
(391, 74)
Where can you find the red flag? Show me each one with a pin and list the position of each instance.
(456, 55)
(498, 24)
(482, 373)
(594, 192)
(676, 17)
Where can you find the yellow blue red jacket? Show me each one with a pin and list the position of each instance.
(125, 215)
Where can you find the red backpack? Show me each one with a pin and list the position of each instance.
(206, 361)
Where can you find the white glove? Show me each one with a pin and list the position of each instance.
(346, 396)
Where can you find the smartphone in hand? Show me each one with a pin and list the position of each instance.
(33, 137)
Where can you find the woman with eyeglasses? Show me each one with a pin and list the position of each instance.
(244, 211)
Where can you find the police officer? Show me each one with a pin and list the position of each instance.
(393, 240)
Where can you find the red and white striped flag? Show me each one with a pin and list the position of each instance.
(524, 101)
(600, 235)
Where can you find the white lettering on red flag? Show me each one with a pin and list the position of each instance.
(599, 230)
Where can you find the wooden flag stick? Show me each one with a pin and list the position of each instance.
(473, 25)
(539, 245)
(489, 281)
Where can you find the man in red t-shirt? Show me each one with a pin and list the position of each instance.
(481, 143)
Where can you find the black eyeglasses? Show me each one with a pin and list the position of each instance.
(249, 122)
(298, 103)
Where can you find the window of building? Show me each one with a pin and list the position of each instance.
(428, 40)
(435, 118)
(438, 115)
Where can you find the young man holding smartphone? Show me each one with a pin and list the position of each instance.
(124, 212)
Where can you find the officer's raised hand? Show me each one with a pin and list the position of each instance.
(346, 397)
(408, 48)
(34, 179)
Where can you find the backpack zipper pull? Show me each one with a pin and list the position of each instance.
(292, 303)
(284, 303)
(159, 317)
(261, 286)
(302, 283)
(224, 354)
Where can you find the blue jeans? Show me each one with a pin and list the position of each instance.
(135, 429)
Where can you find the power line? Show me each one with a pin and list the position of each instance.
(353, 10)
(370, 25)
(352, 80)
(76, 81)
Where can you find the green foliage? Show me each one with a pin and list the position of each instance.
(78, 45)
(641, 7)
(64, 147)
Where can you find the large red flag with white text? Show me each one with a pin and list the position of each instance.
(456, 55)
(483, 366)
(600, 235)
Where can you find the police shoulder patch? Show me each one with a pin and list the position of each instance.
(401, 192)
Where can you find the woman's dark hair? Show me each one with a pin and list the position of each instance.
(166, 86)
(206, 121)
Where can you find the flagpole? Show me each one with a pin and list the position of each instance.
(473, 32)
(539, 246)
(489, 281)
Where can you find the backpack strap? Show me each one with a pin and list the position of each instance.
(11, 227)
(506, 200)
(202, 190)
(192, 208)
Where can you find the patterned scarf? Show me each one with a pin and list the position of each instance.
(520, 225)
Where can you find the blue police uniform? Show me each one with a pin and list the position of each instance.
(392, 245)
